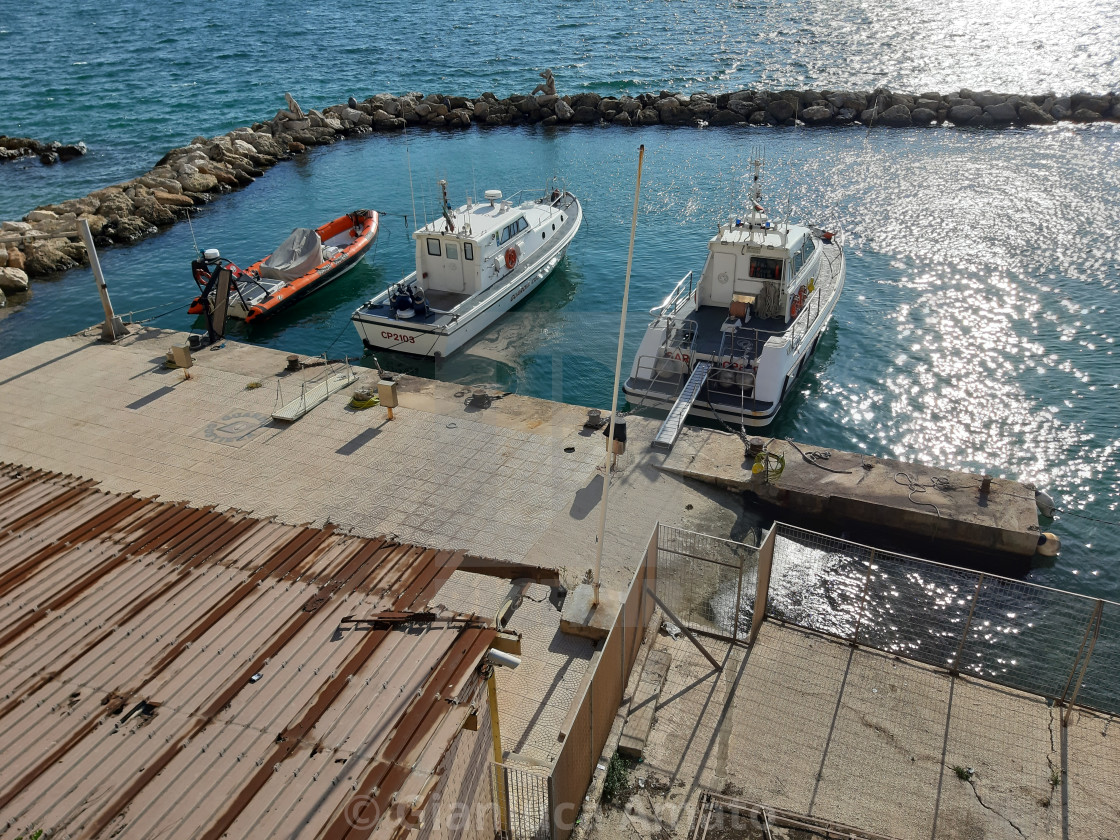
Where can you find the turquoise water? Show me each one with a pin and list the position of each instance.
(978, 327)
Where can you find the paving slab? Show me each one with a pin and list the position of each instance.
(850, 735)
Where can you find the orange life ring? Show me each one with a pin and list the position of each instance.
(511, 257)
(798, 302)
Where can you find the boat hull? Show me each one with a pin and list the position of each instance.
(780, 366)
(254, 299)
(445, 335)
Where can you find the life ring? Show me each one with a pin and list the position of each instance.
(511, 257)
(798, 302)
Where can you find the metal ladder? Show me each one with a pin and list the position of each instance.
(671, 429)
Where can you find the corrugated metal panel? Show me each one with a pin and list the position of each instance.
(180, 672)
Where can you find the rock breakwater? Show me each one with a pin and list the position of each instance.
(46, 240)
(14, 148)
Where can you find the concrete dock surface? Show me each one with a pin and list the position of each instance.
(861, 738)
(861, 492)
(798, 720)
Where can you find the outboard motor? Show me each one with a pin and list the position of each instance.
(203, 268)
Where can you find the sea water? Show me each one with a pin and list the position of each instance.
(978, 327)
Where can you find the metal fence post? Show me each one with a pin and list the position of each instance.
(762, 584)
(863, 596)
(956, 669)
(738, 602)
(553, 833)
(1097, 618)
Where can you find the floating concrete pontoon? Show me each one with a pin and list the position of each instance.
(857, 492)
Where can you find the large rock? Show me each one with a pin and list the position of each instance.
(1031, 114)
(16, 259)
(198, 182)
(1061, 109)
(125, 231)
(151, 211)
(725, 116)
(648, 116)
(113, 202)
(816, 115)
(96, 223)
(170, 185)
(672, 112)
(896, 116)
(40, 216)
(172, 199)
(47, 258)
(564, 111)
(15, 227)
(1002, 112)
(780, 109)
(1085, 115)
(1098, 104)
(964, 114)
(922, 116)
(585, 114)
(13, 280)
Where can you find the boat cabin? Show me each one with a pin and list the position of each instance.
(757, 269)
(465, 252)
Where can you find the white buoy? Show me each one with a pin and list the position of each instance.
(1045, 503)
(1048, 545)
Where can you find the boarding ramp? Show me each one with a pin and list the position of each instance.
(671, 429)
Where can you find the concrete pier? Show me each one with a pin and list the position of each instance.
(517, 481)
(829, 489)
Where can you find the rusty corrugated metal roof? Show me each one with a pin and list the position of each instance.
(179, 672)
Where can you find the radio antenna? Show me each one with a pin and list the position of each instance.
(412, 192)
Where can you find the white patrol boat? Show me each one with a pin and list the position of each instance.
(731, 346)
(472, 265)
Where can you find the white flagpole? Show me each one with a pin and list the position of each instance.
(614, 391)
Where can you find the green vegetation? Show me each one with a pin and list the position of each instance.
(1055, 777)
(617, 785)
(963, 773)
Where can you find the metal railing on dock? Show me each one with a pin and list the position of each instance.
(1058, 645)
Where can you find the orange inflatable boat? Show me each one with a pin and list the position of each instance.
(304, 263)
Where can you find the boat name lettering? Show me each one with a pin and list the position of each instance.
(520, 291)
(682, 357)
(404, 339)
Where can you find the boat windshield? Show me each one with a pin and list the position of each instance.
(765, 268)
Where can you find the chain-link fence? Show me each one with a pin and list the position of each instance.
(708, 583)
(1009, 632)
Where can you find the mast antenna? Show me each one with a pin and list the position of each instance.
(412, 192)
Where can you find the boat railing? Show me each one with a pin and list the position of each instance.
(680, 338)
(661, 370)
(675, 297)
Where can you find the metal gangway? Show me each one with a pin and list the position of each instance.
(671, 429)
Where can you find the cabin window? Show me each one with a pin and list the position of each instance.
(766, 269)
(809, 247)
(511, 230)
(433, 247)
(468, 251)
(452, 251)
(797, 261)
